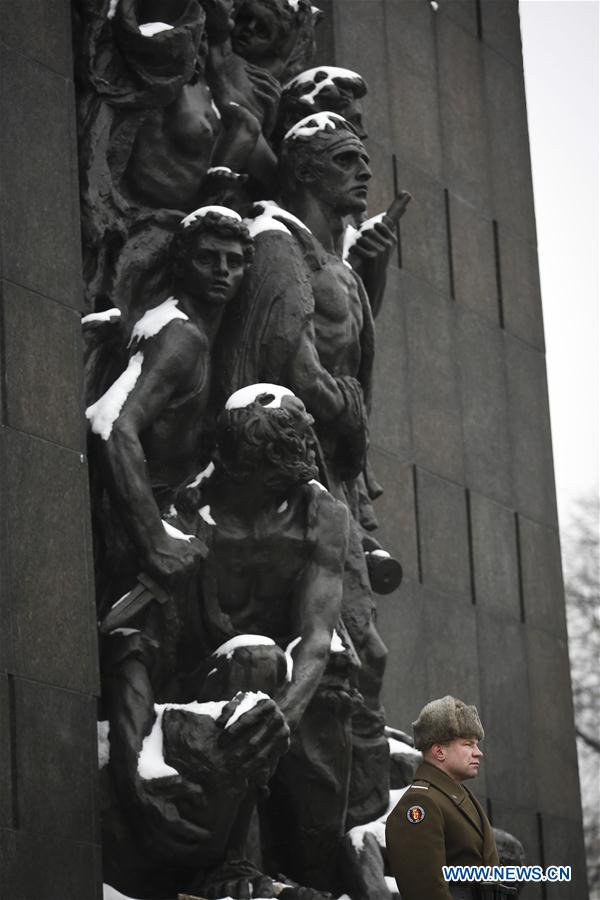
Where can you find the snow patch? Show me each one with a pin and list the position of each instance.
(397, 747)
(103, 743)
(293, 4)
(205, 210)
(221, 170)
(151, 761)
(318, 485)
(381, 554)
(104, 316)
(112, 8)
(104, 412)
(215, 109)
(269, 219)
(289, 659)
(176, 533)
(149, 29)
(377, 826)
(328, 75)
(204, 475)
(283, 507)
(248, 702)
(205, 513)
(111, 893)
(390, 883)
(336, 645)
(352, 234)
(155, 319)
(247, 395)
(311, 125)
(125, 631)
(243, 640)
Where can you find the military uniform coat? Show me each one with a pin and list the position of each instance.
(436, 823)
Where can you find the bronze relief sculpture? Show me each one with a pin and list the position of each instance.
(233, 284)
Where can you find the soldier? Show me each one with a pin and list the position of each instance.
(438, 821)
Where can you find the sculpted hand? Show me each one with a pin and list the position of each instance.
(369, 257)
(253, 743)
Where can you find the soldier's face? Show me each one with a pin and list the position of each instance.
(344, 174)
(462, 758)
(214, 270)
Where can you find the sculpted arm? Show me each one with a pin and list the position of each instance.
(160, 368)
(317, 609)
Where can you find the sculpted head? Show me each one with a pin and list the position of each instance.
(322, 89)
(264, 434)
(210, 252)
(323, 156)
(267, 29)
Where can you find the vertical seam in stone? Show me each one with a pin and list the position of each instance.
(479, 19)
(449, 242)
(12, 725)
(520, 568)
(4, 405)
(470, 545)
(396, 192)
(540, 835)
(417, 525)
(498, 268)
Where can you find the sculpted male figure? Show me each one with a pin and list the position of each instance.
(150, 428)
(300, 291)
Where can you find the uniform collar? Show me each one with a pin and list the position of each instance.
(455, 792)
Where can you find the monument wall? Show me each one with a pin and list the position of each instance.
(48, 657)
(460, 431)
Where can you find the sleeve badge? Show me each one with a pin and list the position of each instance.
(415, 814)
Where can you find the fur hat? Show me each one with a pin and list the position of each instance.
(445, 719)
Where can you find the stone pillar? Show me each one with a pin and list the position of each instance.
(48, 658)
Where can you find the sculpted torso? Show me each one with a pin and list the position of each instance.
(339, 317)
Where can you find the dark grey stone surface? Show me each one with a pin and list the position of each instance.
(47, 719)
(532, 464)
(543, 587)
(521, 297)
(473, 259)
(6, 806)
(42, 337)
(42, 867)
(355, 29)
(403, 627)
(412, 70)
(39, 220)
(509, 727)
(464, 12)
(563, 846)
(495, 563)
(423, 230)
(432, 375)
(500, 28)
(47, 576)
(390, 421)
(41, 29)
(553, 743)
(442, 516)
(463, 113)
(381, 186)
(510, 163)
(396, 513)
(485, 411)
(6, 660)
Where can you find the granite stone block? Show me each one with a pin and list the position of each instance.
(42, 336)
(563, 846)
(500, 28)
(43, 867)
(521, 296)
(412, 70)
(381, 186)
(325, 35)
(423, 229)
(433, 381)
(473, 260)
(48, 557)
(39, 218)
(495, 557)
(6, 660)
(543, 588)
(405, 689)
(40, 29)
(510, 164)
(463, 113)
(532, 463)
(442, 515)
(553, 740)
(359, 39)
(463, 12)
(56, 759)
(6, 805)
(485, 410)
(389, 422)
(509, 728)
(452, 661)
(395, 510)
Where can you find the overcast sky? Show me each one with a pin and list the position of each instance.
(560, 51)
